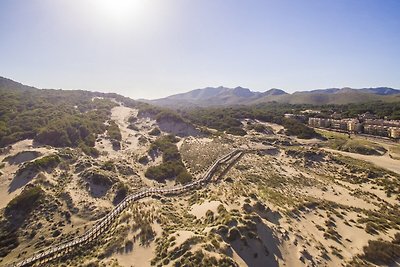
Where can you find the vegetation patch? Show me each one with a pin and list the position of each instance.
(121, 192)
(155, 132)
(340, 141)
(296, 128)
(98, 177)
(42, 164)
(172, 165)
(260, 128)
(25, 202)
(381, 252)
(113, 131)
(52, 117)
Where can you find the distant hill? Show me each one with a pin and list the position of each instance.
(215, 96)
(223, 96)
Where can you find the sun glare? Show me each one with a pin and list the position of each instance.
(121, 10)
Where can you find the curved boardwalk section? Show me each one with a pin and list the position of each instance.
(102, 225)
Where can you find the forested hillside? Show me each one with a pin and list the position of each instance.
(60, 118)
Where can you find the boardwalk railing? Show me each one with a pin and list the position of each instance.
(101, 226)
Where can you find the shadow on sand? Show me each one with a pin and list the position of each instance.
(21, 180)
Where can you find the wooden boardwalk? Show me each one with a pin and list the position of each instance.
(102, 225)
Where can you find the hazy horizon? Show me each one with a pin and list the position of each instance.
(185, 91)
(158, 48)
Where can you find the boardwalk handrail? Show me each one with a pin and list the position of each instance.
(101, 225)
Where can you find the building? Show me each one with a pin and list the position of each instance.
(310, 111)
(378, 127)
(319, 122)
(379, 130)
(390, 123)
(354, 125)
(394, 132)
(338, 124)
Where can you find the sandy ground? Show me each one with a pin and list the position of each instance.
(199, 210)
(8, 187)
(381, 161)
(129, 141)
(339, 195)
(290, 241)
(140, 256)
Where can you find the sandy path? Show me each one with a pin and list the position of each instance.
(129, 141)
(381, 161)
(121, 115)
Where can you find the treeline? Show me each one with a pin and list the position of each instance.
(172, 165)
(389, 110)
(160, 114)
(229, 118)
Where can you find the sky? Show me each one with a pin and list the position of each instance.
(155, 48)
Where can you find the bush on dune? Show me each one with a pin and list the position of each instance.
(296, 128)
(25, 201)
(381, 252)
(172, 165)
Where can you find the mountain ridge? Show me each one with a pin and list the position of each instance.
(224, 96)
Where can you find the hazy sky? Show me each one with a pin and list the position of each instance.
(154, 48)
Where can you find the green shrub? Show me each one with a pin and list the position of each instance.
(133, 127)
(184, 177)
(169, 115)
(155, 132)
(132, 119)
(172, 165)
(98, 177)
(143, 160)
(233, 234)
(90, 151)
(294, 127)
(44, 163)
(120, 193)
(8, 241)
(236, 131)
(166, 170)
(25, 201)
(113, 131)
(50, 161)
(381, 252)
(108, 166)
(261, 128)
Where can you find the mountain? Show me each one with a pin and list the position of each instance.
(214, 96)
(223, 96)
(376, 91)
(339, 96)
(381, 91)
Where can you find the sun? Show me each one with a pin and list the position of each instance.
(121, 10)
